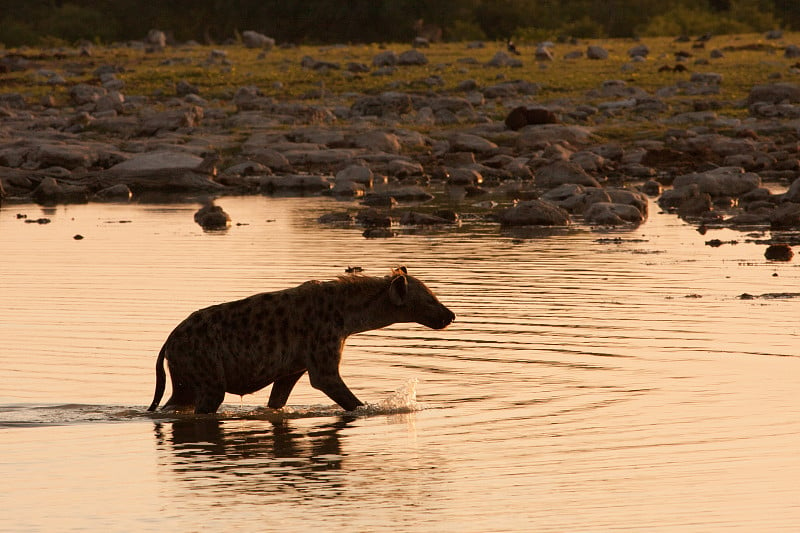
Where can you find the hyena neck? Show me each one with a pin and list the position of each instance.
(365, 303)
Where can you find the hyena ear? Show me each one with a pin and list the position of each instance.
(398, 290)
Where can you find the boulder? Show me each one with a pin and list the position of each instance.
(534, 213)
(561, 172)
(775, 93)
(502, 59)
(386, 58)
(522, 116)
(723, 181)
(356, 173)
(378, 141)
(465, 142)
(388, 103)
(253, 39)
(536, 137)
(412, 57)
(298, 183)
(51, 192)
(212, 217)
(612, 214)
(785, 216)
(116, 193)
(596, 52)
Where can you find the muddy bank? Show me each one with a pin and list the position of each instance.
(495, 151)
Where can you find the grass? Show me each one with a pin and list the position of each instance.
(747, 60)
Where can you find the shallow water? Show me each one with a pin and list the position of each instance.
(591, 381)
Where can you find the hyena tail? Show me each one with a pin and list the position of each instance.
(161, 380)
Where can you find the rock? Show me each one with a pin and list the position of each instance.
(413, 218)
(522, 116)
(791, 52)
(612, 214)
(465, 142)
(346, 188)
(356, 173)
(66, 156)
(543, 53)
(188, 117)
(51, 192)
(536, 137)
(723, 181)
(596, 52)
(183, 88)
(793, 193)
(779, 252)
(775, 93)
(411, 193)
(502, 59)
(385, 104)
(116, 193)
(785, 216)
(385, 59)
(82, 93)
(706, 78)
(159, 160)
(534, 213)
(561, 172)
(511, 88)
(156, 38)
(342, 217)
(464, 176)
(253, 39)
(298, 183)
(412, 57)
(212, 217)
(640, 50)
(378, 141)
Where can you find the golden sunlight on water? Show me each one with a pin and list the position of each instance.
(588, 384)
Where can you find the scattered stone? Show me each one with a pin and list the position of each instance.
(522, 116)
(253, 39)
(212, 217)
(779, 252)
(596, 52)
(534, 213)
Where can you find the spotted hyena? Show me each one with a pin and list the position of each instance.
(242, 346)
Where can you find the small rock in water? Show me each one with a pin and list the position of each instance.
(78, 237)
(779, 252)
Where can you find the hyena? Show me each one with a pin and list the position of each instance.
(242, 346)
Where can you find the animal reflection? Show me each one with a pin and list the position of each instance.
(252, 456)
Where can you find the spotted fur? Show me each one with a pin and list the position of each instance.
(274, 338)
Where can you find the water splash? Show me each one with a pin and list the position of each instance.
(402, 400)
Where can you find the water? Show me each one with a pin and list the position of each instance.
(591, 381)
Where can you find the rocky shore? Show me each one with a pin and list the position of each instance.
(497, 150)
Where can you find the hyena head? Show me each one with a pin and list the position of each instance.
(416, 302)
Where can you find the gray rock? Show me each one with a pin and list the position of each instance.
(561, 172)
(792, 51)
(212, 217)
(786, 216)
(596, 52)
(356, 173)
(502, 59)
(50, 192)
(253, 39)
(386, 58)
(465, 142)
(116, 193)
(640, 50)
(534, 213)
(724, 181)
(82, 94)
(412, 57)
(775, 93)
(159, 160)
(378, 141)
(612, 214)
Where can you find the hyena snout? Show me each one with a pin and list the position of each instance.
(440, 319)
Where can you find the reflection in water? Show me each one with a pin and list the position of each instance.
(234, 457)
(592, 382)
